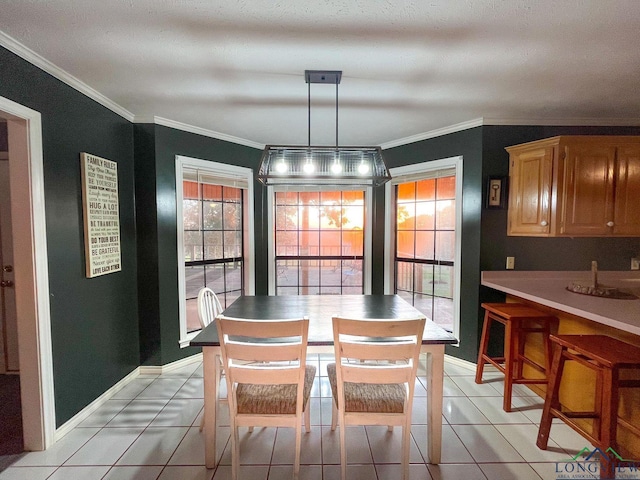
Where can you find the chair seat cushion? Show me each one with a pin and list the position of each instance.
(273, 399)
(368, 397)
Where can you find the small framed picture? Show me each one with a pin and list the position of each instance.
(496, 187)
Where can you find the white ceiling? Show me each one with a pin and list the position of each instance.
(409, 67)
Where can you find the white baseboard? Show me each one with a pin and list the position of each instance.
(93, 406)
(159, 370)
(459, 362)
(102, 399)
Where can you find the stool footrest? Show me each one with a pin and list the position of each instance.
(532, 364)
(534, 381)
(568, 414)
(629, 383)
(495, 362)
(634, 429)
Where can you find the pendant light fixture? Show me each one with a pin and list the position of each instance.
(322, 165)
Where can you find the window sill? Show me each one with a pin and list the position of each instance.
(184, 341)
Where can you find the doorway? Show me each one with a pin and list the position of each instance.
(27, 341)
(11, 442)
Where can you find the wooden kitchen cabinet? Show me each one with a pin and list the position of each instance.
(575, 186)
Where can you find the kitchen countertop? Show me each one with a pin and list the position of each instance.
(549, 289)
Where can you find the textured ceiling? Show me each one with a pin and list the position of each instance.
(409, 67)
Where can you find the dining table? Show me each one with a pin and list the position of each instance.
(320, 309)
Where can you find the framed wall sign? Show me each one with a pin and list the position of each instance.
(101, 215)
(496, 187)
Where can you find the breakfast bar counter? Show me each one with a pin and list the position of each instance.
(549, 289)
(580, 314)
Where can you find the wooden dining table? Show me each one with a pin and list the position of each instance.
(320, 309)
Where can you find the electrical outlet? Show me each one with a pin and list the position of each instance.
(635, 263)
(511, 263)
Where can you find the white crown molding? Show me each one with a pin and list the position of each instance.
(185, 127)
(458, 127)
(32, 57)
(579, 122)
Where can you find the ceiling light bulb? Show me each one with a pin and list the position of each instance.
(363, 168)
(281, 167)
(308, 167)
(336, 167)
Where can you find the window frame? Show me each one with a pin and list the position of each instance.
(415, 172)
(368, 222)
(244, 177)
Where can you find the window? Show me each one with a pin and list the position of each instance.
(425, 245)
(319, 242)
(214, 243)
(423, 232)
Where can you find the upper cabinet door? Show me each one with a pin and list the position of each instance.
(530, 178)
(587, 206)
(627, 191)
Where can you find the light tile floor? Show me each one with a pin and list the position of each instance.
(149, 430)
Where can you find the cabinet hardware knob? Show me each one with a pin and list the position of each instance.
(543, 223)
(6, 283)
(610, 224)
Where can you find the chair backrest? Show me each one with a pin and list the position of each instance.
(263, 352)
(209, 306)
(377, 351)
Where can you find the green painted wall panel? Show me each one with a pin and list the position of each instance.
(94, 322)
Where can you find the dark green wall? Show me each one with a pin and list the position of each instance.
(94, 322)
(156, 149)
(467, 144)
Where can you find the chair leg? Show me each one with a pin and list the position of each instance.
(334, 415)
(406, 438)
(509, 355)
(307, 417)
(296, 465)
(235, 453)
(343, 449)
(608, 417)
(484, 342)
(551, 398)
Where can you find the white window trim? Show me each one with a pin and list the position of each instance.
(225, 171)
(368, 222)
(399, 175)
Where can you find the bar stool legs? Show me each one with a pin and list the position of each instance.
(606, 356)
(519, 321)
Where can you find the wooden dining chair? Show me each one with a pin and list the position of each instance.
(209, 307)
(373, 379)
(268, 381)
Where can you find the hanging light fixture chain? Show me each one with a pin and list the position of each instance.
(309, 113)
(336, 114)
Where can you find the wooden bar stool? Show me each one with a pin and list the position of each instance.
(606, 356)
(519, 321)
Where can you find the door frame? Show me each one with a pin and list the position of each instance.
(26, 177)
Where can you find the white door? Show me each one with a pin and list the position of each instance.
(8, 319)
